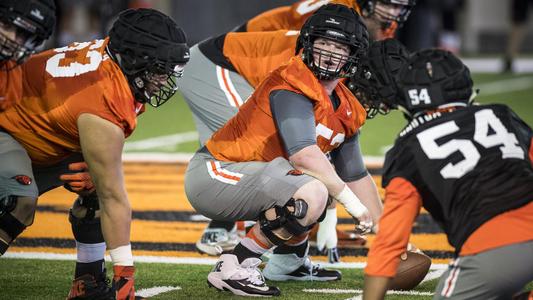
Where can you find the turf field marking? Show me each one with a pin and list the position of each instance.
(162, 141)
(156, 290)
(176, 260)
(433, 275)
(505, 86)
(359, 291)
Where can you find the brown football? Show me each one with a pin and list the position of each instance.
(412, 269)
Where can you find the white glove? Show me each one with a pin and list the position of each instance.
(327, 231)
(356, 209)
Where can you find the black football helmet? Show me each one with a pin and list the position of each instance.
(33, 22)
(368, 8)
(337, 23)
(151, 51)
(375, 84)
(433, 79)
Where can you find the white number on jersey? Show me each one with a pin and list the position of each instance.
(419, 96)
(327, 133)
(484, 119)
(54, 65)
(308, 6)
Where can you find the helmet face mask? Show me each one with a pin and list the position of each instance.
(151, 51)
(158, 88)
(25, 26)
(387, 11)
(329, 64)
(324, 38)
(375, 85)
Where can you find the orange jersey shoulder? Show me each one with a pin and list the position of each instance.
(291, 17)
(251, 135)
(255, 54)
(10, 85)
(58, 86)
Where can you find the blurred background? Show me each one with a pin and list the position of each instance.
(471, 27)
(494, 38)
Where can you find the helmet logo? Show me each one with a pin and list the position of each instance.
(332, 21)
(429, 68)
(335, 34)
(37, 13)
(22, 179)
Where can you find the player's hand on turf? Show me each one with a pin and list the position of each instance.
(80, 181)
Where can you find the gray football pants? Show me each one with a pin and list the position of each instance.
(214, 94)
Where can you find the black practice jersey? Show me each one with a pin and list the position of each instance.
(468, 165)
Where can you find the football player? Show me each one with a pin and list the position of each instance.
(220, 71)
(470, 167)
(382, 17)
(241, 61)
(268, 163)
(24, 25)
(79, 104)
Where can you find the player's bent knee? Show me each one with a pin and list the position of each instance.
(315, 194)
(24, 209)
(281, 223)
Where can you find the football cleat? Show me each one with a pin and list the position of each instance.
(215, 241)
(87, 287)
(284, 267)
(243, 279)
(123, 283)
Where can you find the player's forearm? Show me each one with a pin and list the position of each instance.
(367, 191)
(312, 161)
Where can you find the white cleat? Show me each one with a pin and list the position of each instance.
(243, 279)
(284, 267)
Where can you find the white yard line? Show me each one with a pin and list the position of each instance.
(433, 275)
(176, 260)
(505, 86)
(162, 141)
(359, 291)
(156, 290)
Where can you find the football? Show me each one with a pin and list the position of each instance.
(412, 269)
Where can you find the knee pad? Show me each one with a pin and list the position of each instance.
(87, 229)
(287, 218)
(90, 202)
(8, 223)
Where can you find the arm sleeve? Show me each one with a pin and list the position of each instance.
(348, 160)
(294, 117)
(402, 204)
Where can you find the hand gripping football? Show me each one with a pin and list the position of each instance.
(412, 269)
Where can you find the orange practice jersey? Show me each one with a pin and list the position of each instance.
(10, 85)
(294, 16)
(58, 86)
(251, 134)
(291, 17)
(255, 54)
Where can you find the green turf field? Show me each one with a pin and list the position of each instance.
(377, 134)
(43, 279)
